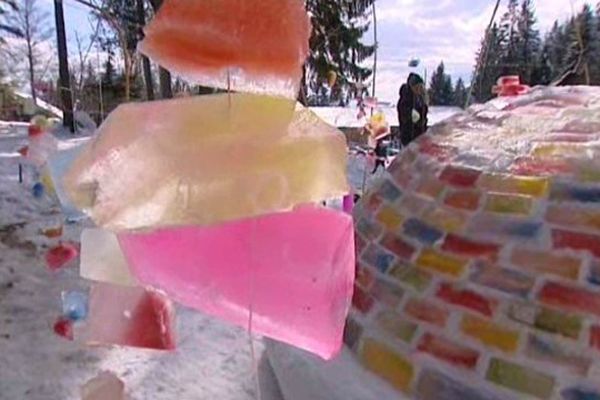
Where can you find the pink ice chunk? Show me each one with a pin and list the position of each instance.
(129, 316)
(295, 270)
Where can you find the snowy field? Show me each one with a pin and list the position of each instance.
(212, 360)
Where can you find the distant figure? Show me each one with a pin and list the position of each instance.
(380, 154)
(412, 109)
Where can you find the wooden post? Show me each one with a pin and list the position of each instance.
(63, 64)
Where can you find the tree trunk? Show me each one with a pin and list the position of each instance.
(63, 64)
(145, 61)
(166, 91)
(30, 60)
(164, 76)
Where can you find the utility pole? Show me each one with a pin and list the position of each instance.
(63, 68)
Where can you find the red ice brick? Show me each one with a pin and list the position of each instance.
(570, 298)
(448, 351)
(576, 241)
(461, 177)
(460, 245)
(466, 298)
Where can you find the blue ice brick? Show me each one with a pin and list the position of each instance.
(421, 231)
(389, 191)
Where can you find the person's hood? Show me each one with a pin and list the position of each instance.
(405, 90)
(414, 79)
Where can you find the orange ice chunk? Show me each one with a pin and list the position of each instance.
(262, 44)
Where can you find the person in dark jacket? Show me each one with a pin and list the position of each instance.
(412, 109)
(380, 154)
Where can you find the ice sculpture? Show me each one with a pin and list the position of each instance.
(57, 165)
(294, 270)
(238, 162)
(240, 44)
(479, 255)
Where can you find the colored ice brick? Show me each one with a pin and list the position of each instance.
(508, 204)
(580, 394)
(504, 227)
(537, 187)
(389, 218)
(520, 378)
(416, 278)
(387, 363)
(362, 300)
(463, 199)
(232, 43)
(562, 239)
(489, 333)
(129, 316)
(377, 257)
(398, 246)
(445, 219)
(448, 351)
(572, 216)
(394, 325)
(467, 247)
(166, 168)
(550, 351)
(430, 187)
(368, 228)
(421, 231)
(503, 279)
(433, 385)
(461, 177)
(424, 310)
(441, 263)
(594, 273)
(466, 298)
(295, 270)
(570, 298)
(542, 261)
(595, 337)
(557, 322)
(387, 293)
(562, 191)
(389, 191)
(102, 259)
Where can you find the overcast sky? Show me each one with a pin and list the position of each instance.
(431, 30)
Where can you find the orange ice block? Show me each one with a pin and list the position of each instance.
(262, 44)
(195, 161)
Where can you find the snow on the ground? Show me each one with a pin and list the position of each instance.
(346, 117)
(212, 360)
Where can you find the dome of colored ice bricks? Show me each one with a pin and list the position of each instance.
(478, 255)
(255, 47)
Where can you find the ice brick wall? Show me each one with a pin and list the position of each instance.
(478, 269)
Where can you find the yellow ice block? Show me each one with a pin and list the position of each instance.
(201, 161)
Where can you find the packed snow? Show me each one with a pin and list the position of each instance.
(212, 360)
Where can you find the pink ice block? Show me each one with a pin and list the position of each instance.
(295, 270)
(129, 316)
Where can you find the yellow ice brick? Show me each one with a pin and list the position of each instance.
(206, 160)
(537, 187)
(390, 218)
(387, 363)
(508, 204)
(444, 219)
(440, 262)
(490, 334)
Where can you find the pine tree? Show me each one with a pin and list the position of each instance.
(529, 43)
(582, 53)
(510, 34)
(460, 94)
(488, 65)
(441, 92)
(336, 46)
